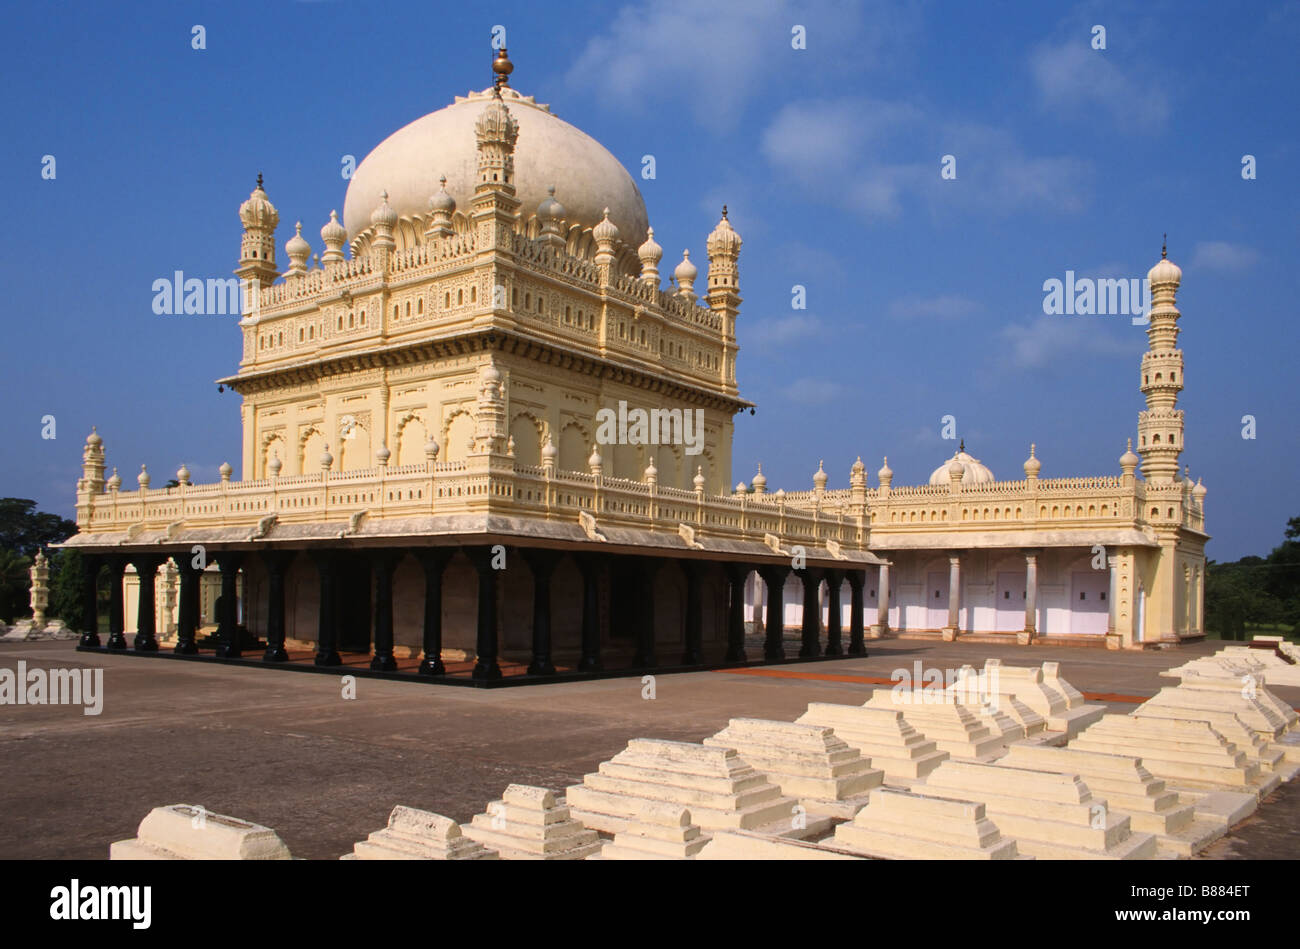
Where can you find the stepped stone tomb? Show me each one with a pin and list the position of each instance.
(721, 790)
(1128, 788)
(882, 736)
(528, 823)
(187, 832)
(901, 825)
(974, 691)
(1061, 706)
(953, 728)
(414, 834)
(808, 762)
(1053, 816)
(1187, 754)
(745, 845)
(662, 832)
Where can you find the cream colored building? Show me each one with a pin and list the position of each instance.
(425, 450)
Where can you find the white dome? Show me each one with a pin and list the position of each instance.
(549, 152)
(973, 472)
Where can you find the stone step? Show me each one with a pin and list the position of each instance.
(188, 832)
(528, 823)
(882, 736)
(903, 825)
(414, 834)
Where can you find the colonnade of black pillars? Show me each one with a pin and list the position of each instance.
(541, 562)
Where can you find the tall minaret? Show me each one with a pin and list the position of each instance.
(723, 246)
(257, 249)
(494, 204)
(1160, 427)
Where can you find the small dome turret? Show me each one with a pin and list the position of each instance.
(550, 210)
(383, 215)
(973, 471)
(298, 250)
(334, 235)
(1032, 464)
(442, 202)
(686, 273)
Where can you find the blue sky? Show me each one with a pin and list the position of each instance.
(924, 295)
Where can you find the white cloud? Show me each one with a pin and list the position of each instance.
(1071, 76)
(815, 392)
(948, 306)
(1223, 257)
(836, 150)
(786, 329)
(714, 58)
(1049, 340)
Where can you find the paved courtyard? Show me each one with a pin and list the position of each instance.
(287, 750)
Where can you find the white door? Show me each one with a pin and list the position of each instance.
(1009, 602)
(1089, 611)
(936, 600)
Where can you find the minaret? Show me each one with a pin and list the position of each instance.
(257, 249)
(494, 204)
(1160, 426)
(92, 476)
(724, 291)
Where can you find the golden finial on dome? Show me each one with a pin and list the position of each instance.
(259, 181)
(503, 67)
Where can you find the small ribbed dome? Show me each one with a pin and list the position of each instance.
(495, 123)
(650, 252)
(724, 240)
(594, 460)
(1199, 491)
(258, 211)
(384, 214)
(760, 481)
(740, 488)
(226, 471)
(858, 467)
(143, 477)
(651, 472)
(442, 199)
(183, 474)
(93, 439)
(115, 481)
(274, 466)
(549, 451)
(973, 472)
(550, 209)
(326, 459)
(699, 478)
(1165, 271)
(297, 247)
(1128, 459)
(686, 271)
(820, 478)
(334, 232)
(606, 231)
(885, 472)
(382, 454)
(1032, 464)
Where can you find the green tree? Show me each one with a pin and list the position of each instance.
(25, 530)
(65, 589)
(15, 586)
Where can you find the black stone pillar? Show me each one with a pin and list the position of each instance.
(90, 600)
(590, 567)
(812, 613)
(644, 569)
(116, 605)
(384, 563)
(692, 654)
(146, 614)
(228, 616)
(434, 561)
(187, 613)
(774, 577)
(277, 565)
(856, 646)
(833, 618)
(485, 667)
(737, 574)
(542, 563)
(327, 630)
